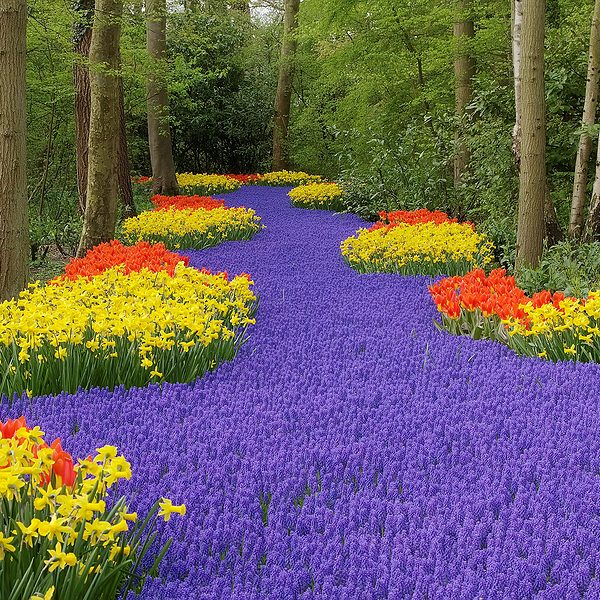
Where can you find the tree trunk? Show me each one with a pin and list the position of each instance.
(464, 70)
(82, 37)
(532, 181)
(123, 169)
(101, 194)
(159, 134)
(517, 22)
(593, 221)
(14, 228)
(589, 118)
(552, 227)
(284, 86)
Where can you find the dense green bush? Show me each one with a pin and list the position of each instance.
(566, 267)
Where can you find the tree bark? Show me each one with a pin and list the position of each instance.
(14, 229)
(82, 35)
(554, 233)
(159, 134)
(517, 22)
(101, 193)
(283, 96)
(592, 227)
(464, 70)
(81, 38)
(123, 168)
(532, 181)
(589, 118)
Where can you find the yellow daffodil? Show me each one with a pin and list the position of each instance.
(167, 508)
(5, 545)
(59, 559)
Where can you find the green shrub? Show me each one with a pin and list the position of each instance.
(566, 267)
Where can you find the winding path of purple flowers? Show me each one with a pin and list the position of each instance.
(352, 450)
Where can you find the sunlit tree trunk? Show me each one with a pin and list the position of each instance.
(101, 194)
(14, 229)
(532, 181)
(589, 118)
(284, 86)
(517, 22)
(464, 70)
(159, 133)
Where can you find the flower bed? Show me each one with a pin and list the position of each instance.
(245, 179)
(317, 195)
(62, 533)
(203, 184)
(190, 228)
(425, 248)
(183, 202)
(545, 325)
(118, 328)
(132, 258)
(288, 178)
(411, 217)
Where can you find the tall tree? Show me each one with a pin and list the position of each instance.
(552, 227)
(283, 96)
(159, 133)
(82, 37)
(589, 118)
(592, 226)
(517, 22)
(464, 70)
(532, 179)
(14, 230)
(102, 188)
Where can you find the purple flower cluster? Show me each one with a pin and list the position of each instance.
(351, 450)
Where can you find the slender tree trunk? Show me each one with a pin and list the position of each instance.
(464, 70)
(593, 221)
(14, 229)
(517, 22)
(123, 169)
(589, 118)
(284, 86)
(82, 37)
(554, 233)
(101, 195)
(532, 181)
(159, 134)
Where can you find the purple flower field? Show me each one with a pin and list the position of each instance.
(351, 450)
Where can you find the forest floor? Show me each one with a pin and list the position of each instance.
(352, 450)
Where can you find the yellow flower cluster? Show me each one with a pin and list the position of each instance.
(192, 228)
(567, 330)
(204, 184)
(115, 328)
(317, 195)
(47, 526)
(424, 248)
(285, 178)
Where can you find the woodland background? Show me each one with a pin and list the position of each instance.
(373, 105)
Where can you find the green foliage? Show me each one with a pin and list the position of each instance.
(222, 89)
(566, 267)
